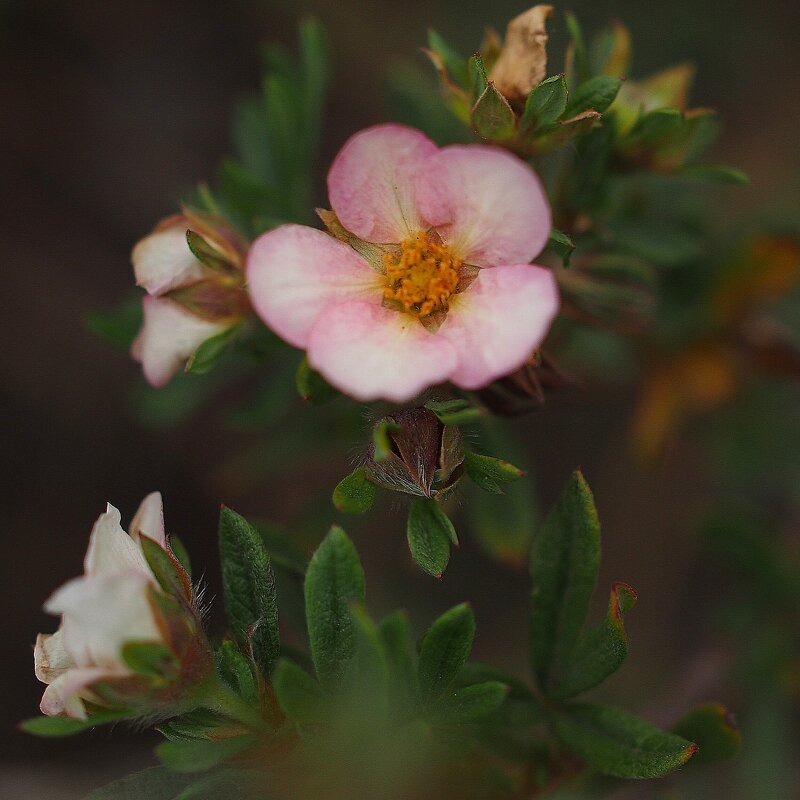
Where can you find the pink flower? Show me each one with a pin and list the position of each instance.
(115, 601)
(188, 301)
(427, 278)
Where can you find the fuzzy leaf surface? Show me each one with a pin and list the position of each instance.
(445, 650)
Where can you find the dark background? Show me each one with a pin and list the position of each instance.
(108, 111)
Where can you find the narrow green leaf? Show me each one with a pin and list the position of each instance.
(67, 726)
(237, 671)
(381, 441)
(455, 412)
(205, 358)
(562, 245)
(488, 473)
(311, 386)
(395, 633)
(169, 573)
(617, 744)
(299, 695)
(545, 105)
(597, 94)
(202, 754)
(471, 702)
(492, 116)
(477, 76)
(564, 564)
(182, 554)
(155, 783)
(206, 253)
(249, 589)
(600, 651)
(578, 45)
(153, 659)
(714, 730)
(718, 173)
(355, 494)
(456, 65)
(656, 126)
(445, 650)
(429, 534)
(334, 582)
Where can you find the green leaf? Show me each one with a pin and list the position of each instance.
(429, 534)
(617, 744)
(456, 65)
(714, 730)
(395, 633)
(545, 105)
(152, 659)
(206, 253)
(119, 326)
(472, 702)
(299, 695)
(355, 494)
(492, 116)
(181, 554)
(564, 564)
(67, 726)
(578, 45)
(205, 358)
(237, 671)
(381, 441)
(445, 650)
(169, 573)
(597, 94)
(202, 754)
(600, 651)
(562, 245)
(455, 412)
(249, 589)
(311, 386)
(334, 582)
(155, 783)
(488, 473)
(716, 172)
(477, 76)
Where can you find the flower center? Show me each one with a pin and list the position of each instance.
(422, 276)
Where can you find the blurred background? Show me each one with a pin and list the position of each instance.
(110, 112)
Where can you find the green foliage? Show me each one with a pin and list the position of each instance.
(545, 105)
(455, 412)
(445, 650)
(202, 754)
(473, 702)
(355, 493)
(488, 473)
(67, 726)
(382, 444)
(334, 582)
(299, 695)
(430, 533)
(562, 245)
(599, 651)
(311, 386)
(155, 783)
(205, 358)
(151, 659)
(237, 671)
(713, 729)
(168, 571)
(617, 744)
(249, 589)
(564, 565)
(492, 116)
(597, 94)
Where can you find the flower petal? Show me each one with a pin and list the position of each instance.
(111, 549)
(295, 272)
(163, 261)
(372, 352)
(101, 613)
(62, 696)
(50, 659)
(499, 321)
(371, 182)
(488, 205)
(169, 336)
(149, 520)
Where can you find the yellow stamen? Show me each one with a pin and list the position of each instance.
(422, 276)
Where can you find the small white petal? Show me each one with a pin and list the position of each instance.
(111, 550)
(149, 520)
(163, 261)
(63, 695)
(50, 658)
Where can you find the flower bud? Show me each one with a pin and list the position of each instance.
(130, 635)
(192, 269)
(425, 457)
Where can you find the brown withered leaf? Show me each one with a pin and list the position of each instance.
(522, 63)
